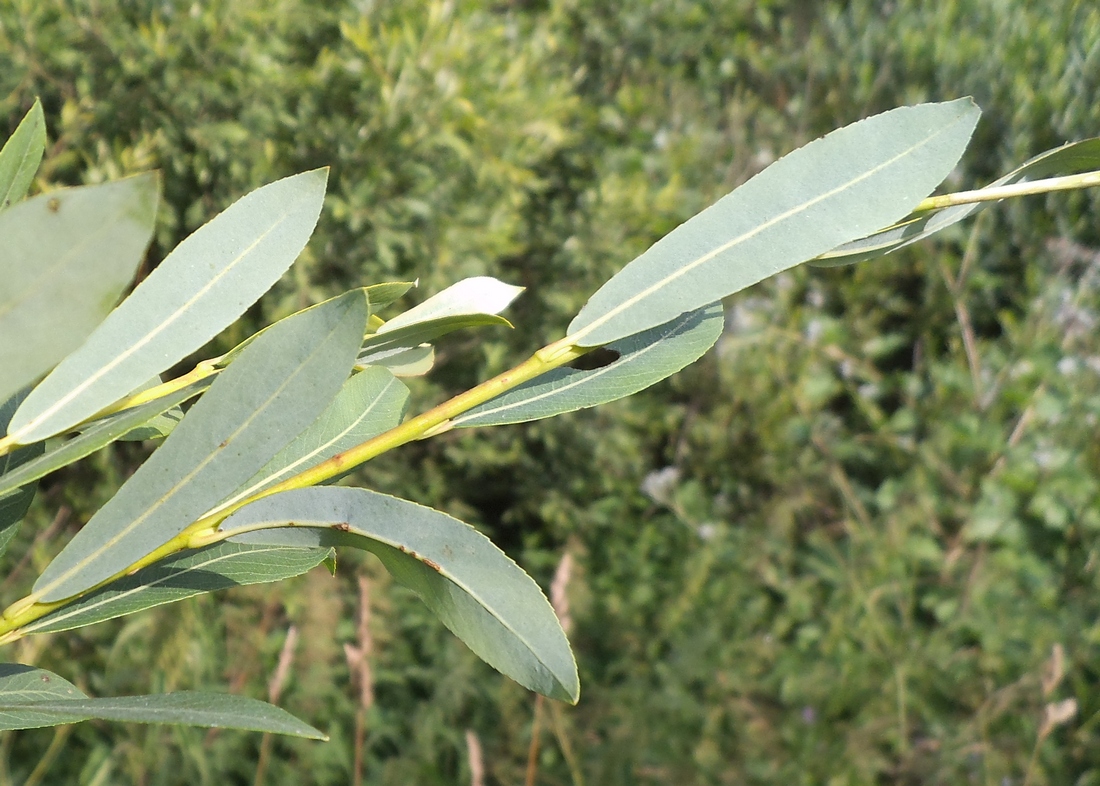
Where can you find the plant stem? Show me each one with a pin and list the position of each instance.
(203, 370)
(991, 194)
(994, 193)
(205, 531)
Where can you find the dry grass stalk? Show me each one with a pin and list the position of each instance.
(477, 763)
(359, 665)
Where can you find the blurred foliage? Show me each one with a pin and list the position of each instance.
(858, 543)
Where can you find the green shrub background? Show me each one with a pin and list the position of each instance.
(841, 549)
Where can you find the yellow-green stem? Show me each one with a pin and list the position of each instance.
(991, 194)
(435, 421)
(205, 531)
(201, 371)
(995, 193)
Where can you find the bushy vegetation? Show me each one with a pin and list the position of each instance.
(857, 544)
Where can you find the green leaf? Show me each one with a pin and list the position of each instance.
(180, 576)
(642, 360)
(201, 287)
(412, 362)
(274, 390)
(470, 296)
(394, 347)
(234, 353)
(156, 427)
(838, 188)
(96, 435)
(389, 292)
(31, 698)
(472, 302)
(474, 588)
(368, 404)
(1068, 159)
(13, 506)
(65, 259)
(21, 156)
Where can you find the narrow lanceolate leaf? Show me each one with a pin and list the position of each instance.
(394, 347)
(474, 588)
(641, 361)
(368, 404)
(1068, 159)
(180, 576)
(835, 189)
(21, 155)
(156, 427)
(14, 505)
(472, 302)
(274, 390)
(65, 259)
(98, 434)
(478, 295)
(199, 289)
(412, 362)
(234, 353)
(31, 698)
(381, 295)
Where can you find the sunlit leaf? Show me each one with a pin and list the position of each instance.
(199, 289)
(274, 390)
(844, 186)
(393, 347)
(472, 302)
(477, 295)
(474, 588)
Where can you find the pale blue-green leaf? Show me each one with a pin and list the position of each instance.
(96, 435)
(412, 362)
(368, 404)
(836, 189)
(31, 698)
(472, 586)
(393, 346)
(65, 259)
(274, 390)
(21, 156)
(643, 360)
(199, 289)
(232, 354)
(180, 576)
(14, 505)
(471, 296)
(1065, 160)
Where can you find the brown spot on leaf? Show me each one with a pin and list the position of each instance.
(433, 565)
(343, 526)
(53, 204)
